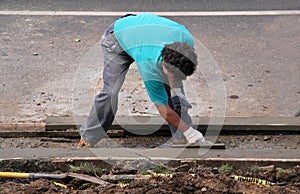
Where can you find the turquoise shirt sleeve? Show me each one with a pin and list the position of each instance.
(156, 92)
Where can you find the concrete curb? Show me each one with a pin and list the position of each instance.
(29, 127)
(150, 122)
(157, 126)
(68, 126)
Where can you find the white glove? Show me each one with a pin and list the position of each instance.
(194, 136)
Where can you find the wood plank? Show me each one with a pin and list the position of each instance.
(157, 120)
(201, 146)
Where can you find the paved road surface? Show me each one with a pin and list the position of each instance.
(149, 5)
(44, 72)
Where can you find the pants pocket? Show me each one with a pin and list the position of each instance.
(110, 43)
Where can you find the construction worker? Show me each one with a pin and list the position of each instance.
(164, 54)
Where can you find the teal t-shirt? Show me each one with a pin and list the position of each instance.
(143, 37)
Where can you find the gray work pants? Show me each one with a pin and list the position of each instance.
(104, 109)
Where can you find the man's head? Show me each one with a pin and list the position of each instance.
(179, 59)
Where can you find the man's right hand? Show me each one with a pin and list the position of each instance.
(194, 136)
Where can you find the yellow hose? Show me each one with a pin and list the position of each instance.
(14, 175)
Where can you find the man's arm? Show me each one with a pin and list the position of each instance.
(173, 119)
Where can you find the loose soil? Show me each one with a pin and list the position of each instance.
(191, 179)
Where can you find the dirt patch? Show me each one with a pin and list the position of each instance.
(188, 179)
(193, 178)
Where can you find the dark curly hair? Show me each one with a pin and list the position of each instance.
(180, 59)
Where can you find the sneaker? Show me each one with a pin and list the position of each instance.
(82, 143)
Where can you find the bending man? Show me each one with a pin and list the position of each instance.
(164, 54)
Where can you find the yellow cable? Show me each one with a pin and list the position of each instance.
(253, 180)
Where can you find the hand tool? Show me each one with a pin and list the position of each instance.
(53, 176)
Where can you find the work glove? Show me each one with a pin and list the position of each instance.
(194, 136)
(180, 104)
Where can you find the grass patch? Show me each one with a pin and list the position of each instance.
(86, 168)
(144, 172)
(225, 168)
(255, 168)
(162, 170)
(281, 172)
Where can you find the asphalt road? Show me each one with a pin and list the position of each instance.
(149, 5)
(45, 72)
